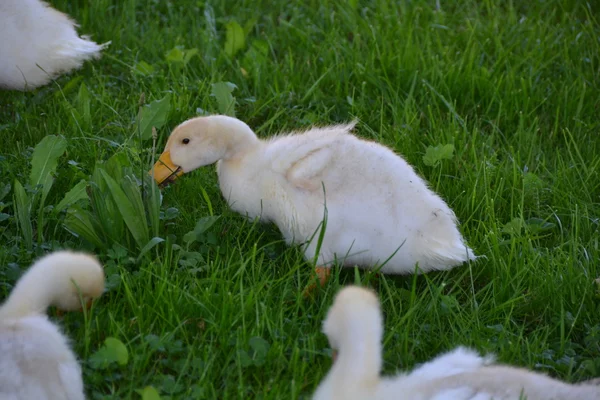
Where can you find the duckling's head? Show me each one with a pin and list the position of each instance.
(72, 274)
(198, 142)
(63, 279)
(354, 319)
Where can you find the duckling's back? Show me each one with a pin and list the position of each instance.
(36, 362)
(507, 383)
(377, 208)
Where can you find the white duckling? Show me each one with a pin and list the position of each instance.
(378, 209)
(354, 327)
(36, 361)
(38, 44)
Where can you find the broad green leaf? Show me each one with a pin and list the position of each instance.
(155, 115)
(189, 237)
(44, 161)
(353, 4)
(116, 164)
(111, 226)
(189, 53)
(149, 393)
(235, 39)
(448, 303)
(244, 358)
(225, 101)
(130, 210)
(113, 351)
(260, 346)
(249, 25)
(68, 87)
(153, 242)
(118, 349)
(23, 213)
(79, 223)
(143, 68)
(205, 223)
(434, 155)
(174, 55)
(202, 226)
(190, 259)
(538, 225)
(171, 213)
(257, 54)
(514, 227)
(134, 193)
(154, 342)
(76, 193)
(168, 384)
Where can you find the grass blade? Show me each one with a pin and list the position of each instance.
(153, 202)
(23, 211)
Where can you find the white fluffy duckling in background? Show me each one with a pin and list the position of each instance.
(36, 361)
(378, 208)
(38, 44)
(354, 327)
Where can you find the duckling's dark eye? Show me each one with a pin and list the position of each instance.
(185, 141)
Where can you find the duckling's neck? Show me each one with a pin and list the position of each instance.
(33, 294)
(360, 355)
(238, 136)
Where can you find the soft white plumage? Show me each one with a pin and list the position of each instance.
(377, 206)
(36, 361)
(354, 327)
(38, 44)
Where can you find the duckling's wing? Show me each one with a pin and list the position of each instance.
(303, 158)
(305, 172)
(457, 361)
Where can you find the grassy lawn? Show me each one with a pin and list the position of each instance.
(217, 313)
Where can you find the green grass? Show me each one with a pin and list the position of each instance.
(513, 87)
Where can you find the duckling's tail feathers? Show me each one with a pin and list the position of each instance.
(442, 255)
(449, 256)
(44, 45)
(81, 49)
(440, 245)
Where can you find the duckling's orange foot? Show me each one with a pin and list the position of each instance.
(323, 275)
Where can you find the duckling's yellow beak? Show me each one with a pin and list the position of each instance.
(164, 169)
